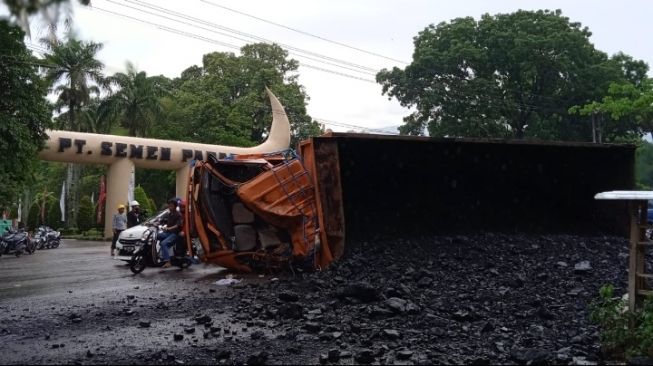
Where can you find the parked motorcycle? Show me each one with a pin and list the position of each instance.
(149, 254)
(47, 238)
(16, 242)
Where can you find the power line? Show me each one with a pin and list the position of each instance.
(362, 69)
(241, 39)
(210, 40)
(304, 32)
(348, 125)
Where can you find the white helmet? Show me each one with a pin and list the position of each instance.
(134, 203)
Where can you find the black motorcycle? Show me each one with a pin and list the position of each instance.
(16, 242)
(149, 254)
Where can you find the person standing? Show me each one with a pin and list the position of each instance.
(119, 224)
(134, 216)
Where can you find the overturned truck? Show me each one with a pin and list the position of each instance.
(256, 212)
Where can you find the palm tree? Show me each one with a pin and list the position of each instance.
(137, 102)
(96, 116)
(75, 75)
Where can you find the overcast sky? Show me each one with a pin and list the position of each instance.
(383, 27)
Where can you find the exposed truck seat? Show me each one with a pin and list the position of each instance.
(241, 215)
(245, 238)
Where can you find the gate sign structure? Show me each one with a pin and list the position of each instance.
(123, 153)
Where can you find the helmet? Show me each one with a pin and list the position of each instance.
(121, 206)
(134, 203)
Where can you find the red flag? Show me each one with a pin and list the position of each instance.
(101, 200)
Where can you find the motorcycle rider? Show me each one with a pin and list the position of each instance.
(134, 216)
(169, 236)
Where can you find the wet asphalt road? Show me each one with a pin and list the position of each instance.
(74, 304)
(81, 268)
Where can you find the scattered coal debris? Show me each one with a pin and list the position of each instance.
(474, 299)
(487, 298)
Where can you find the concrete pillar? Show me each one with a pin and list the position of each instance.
(117, 191)
(182, 182)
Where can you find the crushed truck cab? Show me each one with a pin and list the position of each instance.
(255, 213)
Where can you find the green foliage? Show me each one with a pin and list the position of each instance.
(143, 200)
(86, 217)
(644, 165)
(13, 213)
(93, 233)
(22, 9)
(505, 75)
(623, 333)
(75, 76)
(153, 206)
(53, 218)
(24, 113)
(33, 217)
(627, 107)
(159, 184)
(224, 101)
(137, 103)
(69, 231)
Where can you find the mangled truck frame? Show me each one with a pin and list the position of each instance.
(254, 213)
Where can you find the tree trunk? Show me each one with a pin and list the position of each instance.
(73, 176)
(600, 129)
(26, 204)
(69, 200)
(593, 129)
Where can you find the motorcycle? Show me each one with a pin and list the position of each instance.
(16, 242)
(47, 238)
(149, 254)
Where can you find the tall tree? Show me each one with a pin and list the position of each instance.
(50, 10)
(96, 116)
(24, 113)
(224, 101)
(506, 75)
(136, 104)
(75, 75)
(627, 109)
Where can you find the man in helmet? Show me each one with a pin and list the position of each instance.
(119, 224)
(134, 216)
(174, 223)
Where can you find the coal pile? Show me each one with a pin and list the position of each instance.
(478, 299)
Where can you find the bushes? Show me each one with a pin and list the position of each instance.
(86, 214)
(53, 217)
(33, 217)
(69, 231)
(623, 333)
(144, 201)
